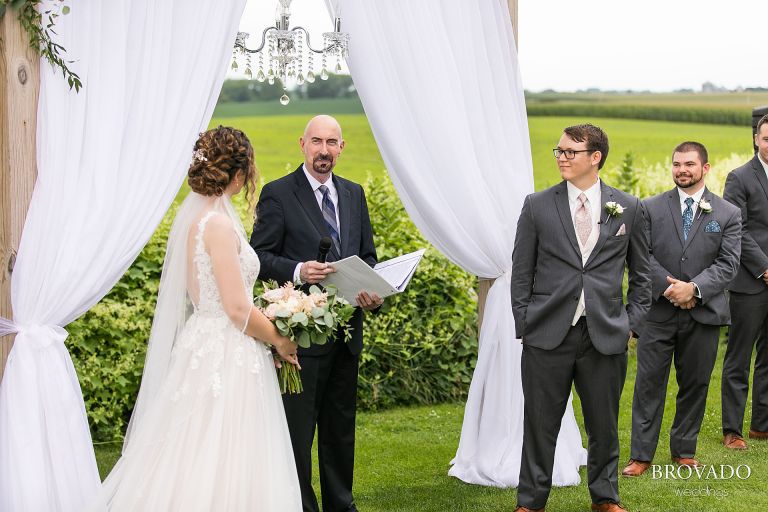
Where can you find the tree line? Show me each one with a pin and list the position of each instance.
(241, 90)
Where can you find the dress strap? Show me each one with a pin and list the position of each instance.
(199, 244)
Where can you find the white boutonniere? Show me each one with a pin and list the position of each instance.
(614, 209)
(705, 206)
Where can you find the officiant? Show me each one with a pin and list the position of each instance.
(292, 216)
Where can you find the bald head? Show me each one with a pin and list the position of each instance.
(321, 145)
(323, 122)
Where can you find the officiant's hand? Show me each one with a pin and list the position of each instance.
(368, 302)
(313, 272)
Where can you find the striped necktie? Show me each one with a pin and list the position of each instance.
(329, 216)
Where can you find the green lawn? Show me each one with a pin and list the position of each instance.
(403, 454)
(275, 139)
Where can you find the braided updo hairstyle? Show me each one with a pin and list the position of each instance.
(219, 155)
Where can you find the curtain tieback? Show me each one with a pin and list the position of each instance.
(33, 335)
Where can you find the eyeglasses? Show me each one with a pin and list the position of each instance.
(570, 154)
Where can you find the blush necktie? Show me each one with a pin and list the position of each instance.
(583, 219)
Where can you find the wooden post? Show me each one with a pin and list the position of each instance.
(19, 88)
(484, 284)
(513, 16)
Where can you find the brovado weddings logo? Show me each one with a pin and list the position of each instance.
(701, 472)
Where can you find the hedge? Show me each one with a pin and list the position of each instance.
(421, 347)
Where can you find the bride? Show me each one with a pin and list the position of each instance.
(208, 431)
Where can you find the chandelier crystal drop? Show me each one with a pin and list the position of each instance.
(286, 50)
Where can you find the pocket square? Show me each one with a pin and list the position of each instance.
(622, 230)
(712, 227)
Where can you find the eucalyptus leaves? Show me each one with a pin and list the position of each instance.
(306, 318)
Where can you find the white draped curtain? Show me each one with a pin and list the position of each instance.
(440, 84)
(110, 161)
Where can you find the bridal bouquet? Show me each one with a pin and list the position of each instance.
(306, 318)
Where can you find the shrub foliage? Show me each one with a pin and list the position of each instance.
(420, 347)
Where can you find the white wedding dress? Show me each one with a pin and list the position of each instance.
(214, 437)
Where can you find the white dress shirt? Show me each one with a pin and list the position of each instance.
(594, 207)
(695, 206)
(334, 194)
(696, 198)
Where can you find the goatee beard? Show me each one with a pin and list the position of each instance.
(318, 169)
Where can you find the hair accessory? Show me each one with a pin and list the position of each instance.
(199, 156)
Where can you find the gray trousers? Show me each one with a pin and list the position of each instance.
(693, 347)
(547, 377)
(749, 326)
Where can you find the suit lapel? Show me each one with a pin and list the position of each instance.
(308, 202)
(564, 210)
(606, 221)
(700, 214)
(760, 173)
(345, 203)
(673, 200)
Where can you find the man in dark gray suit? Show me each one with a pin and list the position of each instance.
(572, 243)
(747, 188)
(695, 239)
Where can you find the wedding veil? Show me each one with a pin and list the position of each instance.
(173, 304)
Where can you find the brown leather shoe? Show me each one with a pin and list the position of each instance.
(525, 509)
(608, 507)
(635, 467)
(756, 434)
(685, 461)
(734, 441)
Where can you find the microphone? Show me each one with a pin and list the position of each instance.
(323, 248)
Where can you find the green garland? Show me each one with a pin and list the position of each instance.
(39, 28)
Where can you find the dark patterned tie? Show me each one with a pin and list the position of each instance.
(329, 215)
(687, 217)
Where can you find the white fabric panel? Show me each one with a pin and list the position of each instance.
(110, 161)
(440, 84)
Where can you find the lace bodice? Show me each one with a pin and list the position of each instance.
(209, 302)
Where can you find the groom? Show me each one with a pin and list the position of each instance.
(571, 246)
(293, 214)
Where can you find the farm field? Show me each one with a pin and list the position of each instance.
(717, 100)
(275, 139)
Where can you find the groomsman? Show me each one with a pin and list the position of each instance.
(695, 241)
(573, 241)
(747, 188)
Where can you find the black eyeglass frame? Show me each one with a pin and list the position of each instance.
(572, 152)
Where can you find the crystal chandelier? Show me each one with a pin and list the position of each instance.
(285, 51)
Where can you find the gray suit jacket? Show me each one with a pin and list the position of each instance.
(709, 257)
(548, 275)
(747, 188)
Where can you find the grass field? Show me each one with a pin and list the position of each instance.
(402, 461)
(275, 138)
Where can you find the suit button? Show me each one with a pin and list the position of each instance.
(682, 259)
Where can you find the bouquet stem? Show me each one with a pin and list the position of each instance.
(289, 379)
